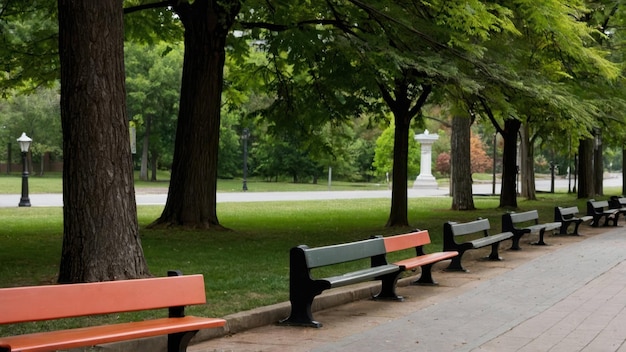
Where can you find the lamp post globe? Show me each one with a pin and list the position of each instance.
(24, 142)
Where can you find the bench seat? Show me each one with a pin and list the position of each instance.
(95, 335)
(360, 275)
(412, 263)
(489, 240)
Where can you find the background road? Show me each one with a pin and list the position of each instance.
(53, 199)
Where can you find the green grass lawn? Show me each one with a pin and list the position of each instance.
(52, 183)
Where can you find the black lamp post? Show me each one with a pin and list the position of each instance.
(24, 142)
(245, 136)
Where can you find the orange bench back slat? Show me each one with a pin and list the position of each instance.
(33, 303)
(409, 240)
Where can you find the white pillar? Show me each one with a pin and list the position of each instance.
(426, 179)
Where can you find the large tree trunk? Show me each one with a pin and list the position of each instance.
(508, 191)
(191, 200)
(398, 216)
(585, 169)
(527, 152)
(100, 231)
(461, 164)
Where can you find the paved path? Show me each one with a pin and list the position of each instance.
(565, 297)
(160, 196)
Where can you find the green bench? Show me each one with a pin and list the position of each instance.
(599, 210)
(453, 230)
(526, 222)
(567, 216)
(303, 287)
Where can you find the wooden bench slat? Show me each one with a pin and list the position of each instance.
(467, 228)
(73, 300)
(530, 215)
(89, 336)
(412, 263)
(491, 239)
(345, 252)
(405, 241)
(361, 275)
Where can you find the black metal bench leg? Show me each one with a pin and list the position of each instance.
(455, 263)
(515, 242)
(388, 288)
(576, 228)
(596, 221)
(564, 226)
(426, 278)
(179, 341)
(541, 235)
(301, 314)
(494, 252)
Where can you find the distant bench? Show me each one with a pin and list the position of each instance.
(453, 230)
(303, 287)
(37, 303)
(618, 203)
(526, 222)
(600, 209)
(570, 215)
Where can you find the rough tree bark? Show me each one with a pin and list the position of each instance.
(191, 200)
(527, 152)
(100, 231)
(508, 192)
(460, 160)
(585, 169)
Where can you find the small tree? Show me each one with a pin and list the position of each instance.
(383, 156)
(481, 162)
(443, 164)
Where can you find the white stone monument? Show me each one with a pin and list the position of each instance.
(426, 179)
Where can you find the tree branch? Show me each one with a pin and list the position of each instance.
(153, 5)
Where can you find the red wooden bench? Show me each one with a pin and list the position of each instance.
(425, 261)
(38, 303)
